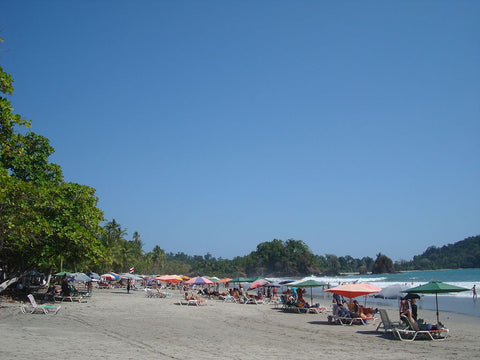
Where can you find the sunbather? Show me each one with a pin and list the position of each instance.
(300, 300)
(65, 288)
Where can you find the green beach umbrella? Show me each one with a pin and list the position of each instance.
(435, 287)
(311, 283)
(240, 280)
(63, 273)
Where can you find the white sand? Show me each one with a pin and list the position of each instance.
(116, 325)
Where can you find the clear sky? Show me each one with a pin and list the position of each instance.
(213, 126)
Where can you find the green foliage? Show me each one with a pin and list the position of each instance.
(462, 254)
(383, 264)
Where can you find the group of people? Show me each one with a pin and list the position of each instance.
(408, 310)
(351, 309)
(66, 290)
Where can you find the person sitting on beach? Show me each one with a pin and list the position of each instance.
(196, 298)
(65, 288)
(300, 300)
(406, 312)
(343, 311)
(337, 298)
(404, 308)
(51, 292)
(335, 308)
(413, 307)
(356, 309)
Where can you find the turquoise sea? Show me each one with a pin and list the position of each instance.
(461, 302)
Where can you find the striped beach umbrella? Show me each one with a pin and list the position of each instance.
(111, 276)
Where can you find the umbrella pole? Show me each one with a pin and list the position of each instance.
(436, 301)
(311, 296)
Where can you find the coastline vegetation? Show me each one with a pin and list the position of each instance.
(52, 225)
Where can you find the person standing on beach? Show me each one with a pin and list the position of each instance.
(474, 291)
(128, 286)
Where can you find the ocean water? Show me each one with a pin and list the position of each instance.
(461, 302)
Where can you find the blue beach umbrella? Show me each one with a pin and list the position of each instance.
(93, 275)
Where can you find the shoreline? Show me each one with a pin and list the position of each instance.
(117, 325)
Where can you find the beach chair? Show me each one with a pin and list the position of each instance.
(197, 302)
(149, 293)
(388, 326)
(229, 298)
(289, 306)
(74, 297)
(423, 332)
(344, 318)
(46, 309)
(252, 300)
(316, 310)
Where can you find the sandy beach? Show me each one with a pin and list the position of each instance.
(117, 325)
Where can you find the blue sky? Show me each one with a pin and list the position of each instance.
(210, 127)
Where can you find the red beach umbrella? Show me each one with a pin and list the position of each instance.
(258, 283)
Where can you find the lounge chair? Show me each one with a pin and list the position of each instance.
(252, 300)
(290, 306)
(149, 293)
(46, 309)
(316, 310)
(388, 326)
(73, 297)
(423, 332)
(229, 298)
(344, 318)
(190, 300)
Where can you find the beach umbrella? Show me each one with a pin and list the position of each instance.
(285, 282)
(391, 292)
(63, 273)
(354, 289)
(307, 283)
(258, 283)
(199, 280)
(213, 278)
(127, 276)
(80, 277)
(273, 284)
(93, 276)
(225, 280)
(239, 280)
(111, 276)
(174, 279)
(410, 296)
(435, 287)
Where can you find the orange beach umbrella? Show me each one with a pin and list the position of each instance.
(355, 289)
(169, 278)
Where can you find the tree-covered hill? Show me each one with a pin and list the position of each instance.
(462, 254)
